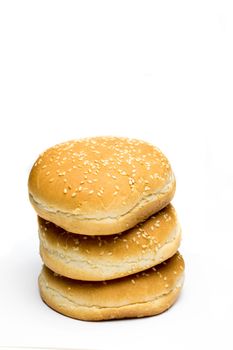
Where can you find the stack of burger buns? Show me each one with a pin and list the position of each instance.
(108, 233)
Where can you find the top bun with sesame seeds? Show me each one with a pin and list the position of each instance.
(146, 293)
(100, 185)
(101, 258)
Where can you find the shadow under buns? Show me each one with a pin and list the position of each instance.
(144, 294)
(100, 185)
(97, 258)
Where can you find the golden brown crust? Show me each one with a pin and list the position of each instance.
(97, 258)
(147, 293)
(100, 186)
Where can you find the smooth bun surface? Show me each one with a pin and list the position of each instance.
(97, 258)
(100, 185)
(144, 294)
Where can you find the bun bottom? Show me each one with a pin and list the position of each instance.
(144, 294)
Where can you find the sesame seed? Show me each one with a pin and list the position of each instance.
(74, 194)
(133, 281)
(91, 191)
(145, 274)
(51, 180)
(131, 181)
(65, 190)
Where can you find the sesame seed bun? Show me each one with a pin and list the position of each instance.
(97, 258)
(144, 294)
(100, 185)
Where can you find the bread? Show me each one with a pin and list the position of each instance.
(147, 293)
(97, 258)
(100, 185)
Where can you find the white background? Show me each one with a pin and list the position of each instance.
(161, 71)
